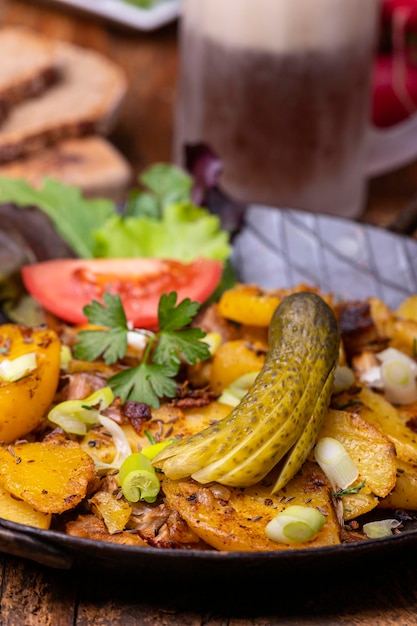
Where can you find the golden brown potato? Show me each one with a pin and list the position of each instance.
(233, 359)
(114, 512)
(21, 512)
(373, 455)
(408, 308)
(386, 417)
(404, 494)
(404, 336)
(25, 401)
(234, 519)
(51, 477)
(249, 305)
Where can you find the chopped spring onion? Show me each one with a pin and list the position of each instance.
(396, 376)
(237, 389)
(66, 357)
(335, 462)
(392, 354)
(295, 524)
(14, 369)
(138, 479)
(343, 378)
(75, 416)
(380, 528)
(151, 451)
(213, 340)
(399, 381)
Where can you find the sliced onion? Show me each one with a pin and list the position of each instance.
(392, 354)
(296, 524)
(12, 370)
(120, 441)
(335, 462)
(76, 416)
(380, 528)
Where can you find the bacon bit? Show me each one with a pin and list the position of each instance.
(357, 328)
(189, 398)
(137, 409)
(90, 527)
(81, 385)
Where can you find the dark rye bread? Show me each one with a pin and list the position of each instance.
(29, 65)
(85, 100)
(91, 163)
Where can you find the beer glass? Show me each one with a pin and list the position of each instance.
(280, 90)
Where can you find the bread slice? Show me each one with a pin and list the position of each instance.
(92, 164)
(85, 100)
(29, 64)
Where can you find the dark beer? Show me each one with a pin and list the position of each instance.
(289, 126)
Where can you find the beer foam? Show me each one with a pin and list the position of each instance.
(283, 25)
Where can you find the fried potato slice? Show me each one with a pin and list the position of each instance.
(50, 477)
(114, 512)
(404, 494)
(233, 359)
(21, 512)
(25, 401)
(387, 418)
(234, 519)
(373, 455)
(408, 308)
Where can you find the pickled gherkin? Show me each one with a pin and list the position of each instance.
(277, 421)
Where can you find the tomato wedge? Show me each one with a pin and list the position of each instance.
(64, 286)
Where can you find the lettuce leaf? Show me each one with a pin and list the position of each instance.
(184, 232)
(160, 221)
(73, 217)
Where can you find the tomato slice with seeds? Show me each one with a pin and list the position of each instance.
(64, 286)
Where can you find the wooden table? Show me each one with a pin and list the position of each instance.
(33, 594)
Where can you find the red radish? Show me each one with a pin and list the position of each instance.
(395, 91)
(395, 74)
(406, 9)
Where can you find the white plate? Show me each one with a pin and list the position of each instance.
(126, 14)
(286, 247)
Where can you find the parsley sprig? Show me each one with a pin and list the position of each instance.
(174, 342)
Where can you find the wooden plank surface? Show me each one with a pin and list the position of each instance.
(35, 595)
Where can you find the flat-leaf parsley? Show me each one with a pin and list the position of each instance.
(154, 377)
